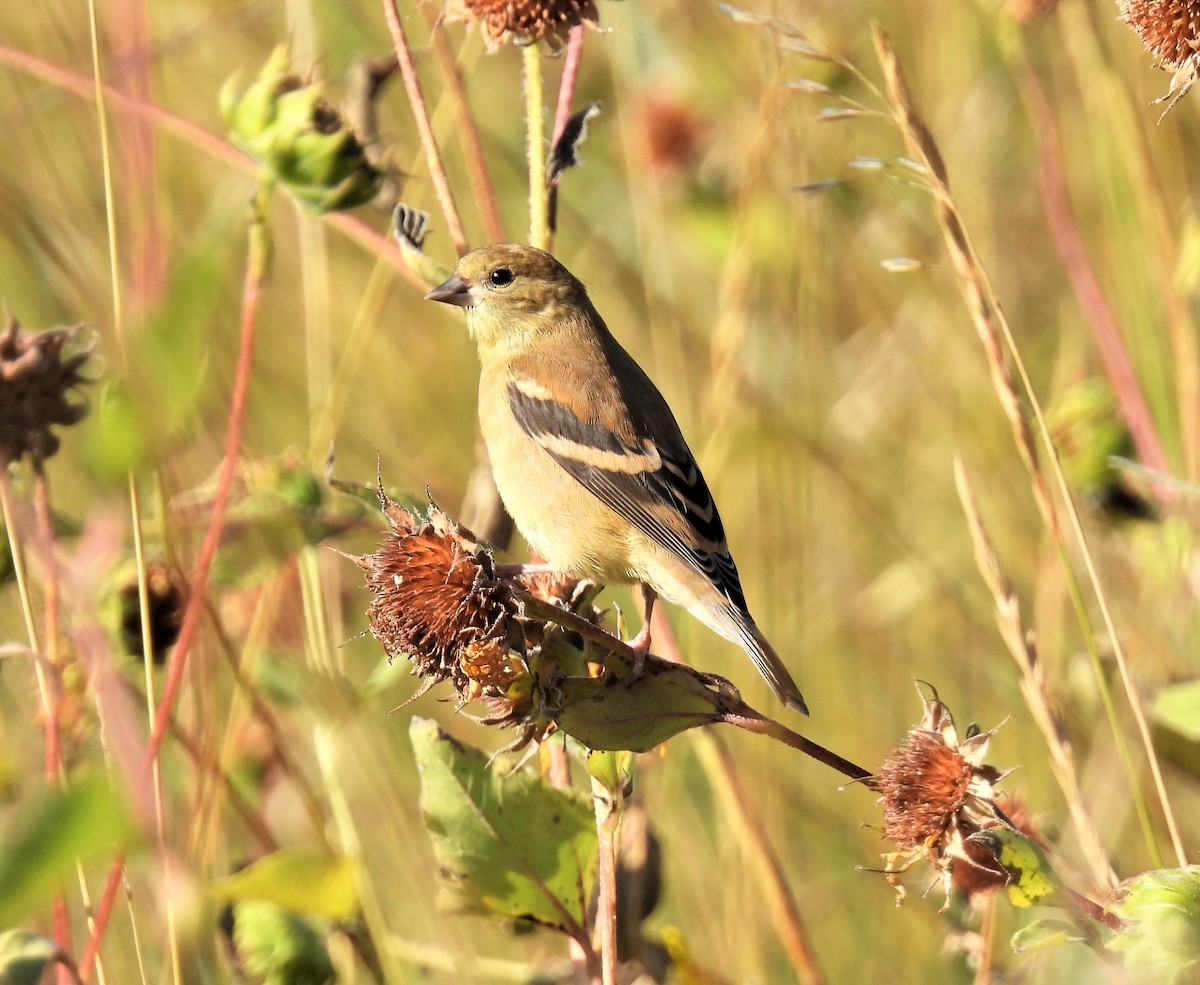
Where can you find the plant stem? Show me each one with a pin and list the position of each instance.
(433, 156)
(608, 805)
(468, 132)
(752, 836)
(55, 772)
(257, 261)
(535, 122)
(566, 85)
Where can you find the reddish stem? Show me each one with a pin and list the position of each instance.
(468, 134)
(566, 86)
(1087, 288)
(416, 99)
(52, 727)
(251, 291)
(372, 241)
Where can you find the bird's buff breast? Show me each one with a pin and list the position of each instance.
(563, 523)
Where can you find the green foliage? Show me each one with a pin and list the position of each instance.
(511, 847)
(1176, 717)
(276, 947)
(297, 879)
(1161, 943)
(54, 832)
(24, 956)
(298, 138)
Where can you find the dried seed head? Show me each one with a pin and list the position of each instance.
(437, 600)
(166, 604)
(523, 22)
(1170, 29)
(936, 792)
(38, 390)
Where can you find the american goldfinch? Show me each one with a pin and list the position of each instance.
(586, 453)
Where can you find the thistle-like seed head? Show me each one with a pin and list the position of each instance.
(38, 390)
(523, 22)
(936, 793)
(437, 600)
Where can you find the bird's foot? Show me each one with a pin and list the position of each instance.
(640, 645)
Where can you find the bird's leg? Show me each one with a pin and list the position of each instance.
(640, 644)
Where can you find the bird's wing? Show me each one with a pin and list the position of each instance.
(650, 479)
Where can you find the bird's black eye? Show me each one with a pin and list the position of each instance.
(501, 277)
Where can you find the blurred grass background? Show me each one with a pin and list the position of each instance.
(825, 398)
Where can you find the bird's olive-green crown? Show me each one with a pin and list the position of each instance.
(513, 293)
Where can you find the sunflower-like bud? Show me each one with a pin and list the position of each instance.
(299, 138)
(523, 22)
(1170, 30)
(937, 793)
(37, 390)
(436, 599)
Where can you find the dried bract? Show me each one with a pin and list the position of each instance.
(523, 22)
(38, 390)
(936, 792)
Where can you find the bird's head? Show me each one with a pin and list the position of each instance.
(513, 295)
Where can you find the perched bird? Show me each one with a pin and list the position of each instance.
(586, 453)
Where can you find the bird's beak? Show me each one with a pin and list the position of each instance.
(456, 291)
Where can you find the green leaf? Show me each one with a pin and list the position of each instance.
(511, 847)
(1176, 717)
(1044, 933)
(1161, 943)
(619, 711)
(279, 947)
(24, 956)
(56, 831)
(613, 770)
(1031, 881)
(297, 879)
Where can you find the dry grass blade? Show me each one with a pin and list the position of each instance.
(998, 342)
(1033, 686)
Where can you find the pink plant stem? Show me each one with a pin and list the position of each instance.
(416, 99)
(255, 271)
(566, 86)
(1091, 297)
(468, 133)
(53, 727)
(193, 135)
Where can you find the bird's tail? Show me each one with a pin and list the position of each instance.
(768, 662)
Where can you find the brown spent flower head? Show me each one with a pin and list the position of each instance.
(523, 22)
(936, 792)
(436, 599)
(1170, 30)
(36, 387)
